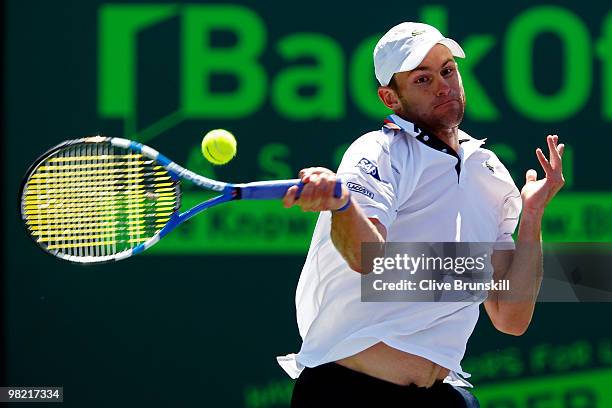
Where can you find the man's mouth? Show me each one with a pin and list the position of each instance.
(445, 103)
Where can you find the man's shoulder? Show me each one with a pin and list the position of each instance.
(487, 154)
(490, 160)
(382, 139)
(477, 145)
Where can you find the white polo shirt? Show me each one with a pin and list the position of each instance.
(421, 191)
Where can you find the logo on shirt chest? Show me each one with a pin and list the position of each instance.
(489, 166)
(369, 168)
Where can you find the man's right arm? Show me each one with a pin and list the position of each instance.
(351, 227)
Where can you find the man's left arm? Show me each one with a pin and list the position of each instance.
(511, 312)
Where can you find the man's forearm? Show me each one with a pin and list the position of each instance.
(349, 230)
(526, 267)
(524, 273)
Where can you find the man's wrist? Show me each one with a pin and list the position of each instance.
(345, 206)
(532, 212)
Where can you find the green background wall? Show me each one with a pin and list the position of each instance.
(199, 319)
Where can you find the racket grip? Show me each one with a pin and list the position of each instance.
(267, 190)
(337, 189)
(272, 190)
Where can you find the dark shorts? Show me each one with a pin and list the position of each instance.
(332, 385)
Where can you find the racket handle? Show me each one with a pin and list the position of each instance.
(276, 189)
(337, 189)
(267, 190)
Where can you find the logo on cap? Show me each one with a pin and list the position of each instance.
(417, 32)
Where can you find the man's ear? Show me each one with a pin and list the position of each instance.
(389, 97)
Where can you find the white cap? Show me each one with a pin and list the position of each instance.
(405, 46)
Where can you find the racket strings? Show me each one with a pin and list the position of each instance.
(95, 200)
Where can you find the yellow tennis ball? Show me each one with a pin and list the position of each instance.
(219, 146)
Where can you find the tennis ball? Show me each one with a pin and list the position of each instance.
(219, 146)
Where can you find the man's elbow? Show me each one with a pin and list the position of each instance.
(513, 327)
(356, 266)
(514, 330)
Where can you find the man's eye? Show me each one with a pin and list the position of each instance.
(421, 80)
(447, 71)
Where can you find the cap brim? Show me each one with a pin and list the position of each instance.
(418, 55)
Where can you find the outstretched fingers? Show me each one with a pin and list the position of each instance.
(554, 151)
(543, 161)
(531, 176)
(561, 149)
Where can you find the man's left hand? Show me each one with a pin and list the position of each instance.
(536, 194)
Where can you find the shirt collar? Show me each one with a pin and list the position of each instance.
(396, 123)
(468, 144)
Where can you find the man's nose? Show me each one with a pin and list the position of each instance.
(443, 87)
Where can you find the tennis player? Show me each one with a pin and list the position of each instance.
(417, 179)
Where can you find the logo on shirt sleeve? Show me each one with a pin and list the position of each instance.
(358, 188)
(369, 168)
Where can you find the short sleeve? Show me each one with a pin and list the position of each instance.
(509, 220)
(367, 172)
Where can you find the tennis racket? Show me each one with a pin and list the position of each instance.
(101, 199)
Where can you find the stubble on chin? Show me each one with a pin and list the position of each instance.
(452, 120)
(435, 123)
(432, 120)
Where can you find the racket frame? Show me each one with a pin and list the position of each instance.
(260, 190)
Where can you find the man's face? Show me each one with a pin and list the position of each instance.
(432, 94)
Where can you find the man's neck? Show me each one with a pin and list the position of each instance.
(450, 136)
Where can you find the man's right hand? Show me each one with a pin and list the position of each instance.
(318, 191)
